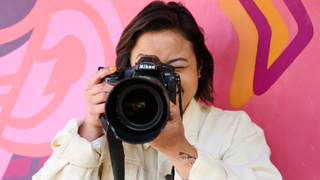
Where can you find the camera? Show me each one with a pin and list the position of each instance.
(138, 107)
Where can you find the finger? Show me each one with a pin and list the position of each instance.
(98, 98)
(99, 75)
(174, 112)
(96, 110)
(99, 88)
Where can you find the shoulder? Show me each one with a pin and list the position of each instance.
(219, 130)
(218, 114)
(237, 123)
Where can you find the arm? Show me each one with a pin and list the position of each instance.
(78, 154)
(73, 157)
(228, 147)
(184, 160)
(242, 155)
(173, 143)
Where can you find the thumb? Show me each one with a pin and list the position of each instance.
(174, 112)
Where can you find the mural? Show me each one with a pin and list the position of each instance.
(266, 63)
(263, 38)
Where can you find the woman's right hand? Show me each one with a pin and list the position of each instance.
(95, 96)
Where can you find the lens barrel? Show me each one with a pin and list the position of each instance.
(140, 107)
(137, 109)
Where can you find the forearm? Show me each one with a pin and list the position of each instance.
(73, 157)
(183, 159)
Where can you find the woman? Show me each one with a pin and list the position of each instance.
(208, 144)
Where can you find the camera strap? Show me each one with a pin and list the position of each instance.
(178, 82)
(115, 149)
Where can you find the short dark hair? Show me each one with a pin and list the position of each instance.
(158, 16)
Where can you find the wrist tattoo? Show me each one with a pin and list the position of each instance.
(186, 159)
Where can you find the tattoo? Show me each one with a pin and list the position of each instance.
(186, 159)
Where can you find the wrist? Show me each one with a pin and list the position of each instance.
(183, 147)
(183, 159)
(90, 132)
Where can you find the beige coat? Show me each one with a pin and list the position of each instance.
(229, 146)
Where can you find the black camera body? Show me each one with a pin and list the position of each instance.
(138, 107)
(148, 67)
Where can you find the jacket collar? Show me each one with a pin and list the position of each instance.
(191, 122)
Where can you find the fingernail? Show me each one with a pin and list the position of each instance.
(112, 68)
(171, 104)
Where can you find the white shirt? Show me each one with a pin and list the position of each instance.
(228, 144)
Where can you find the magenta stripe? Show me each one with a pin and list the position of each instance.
(264, 78)
(264, 35)
(18, 168)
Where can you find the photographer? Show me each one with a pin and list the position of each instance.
(208, 144)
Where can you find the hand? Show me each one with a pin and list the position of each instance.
(173, 143)
(95, 96)
(172, 135)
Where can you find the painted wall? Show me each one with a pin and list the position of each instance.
(266, 56)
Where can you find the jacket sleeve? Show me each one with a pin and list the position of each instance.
(73, 156)
(246, 158)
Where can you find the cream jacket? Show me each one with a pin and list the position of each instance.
(228, 144)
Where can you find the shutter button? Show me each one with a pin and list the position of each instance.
(168, 177)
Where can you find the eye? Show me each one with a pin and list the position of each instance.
(179, 67)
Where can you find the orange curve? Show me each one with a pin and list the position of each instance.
(242, 82)
(280, 34)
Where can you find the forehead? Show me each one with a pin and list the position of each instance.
(166, 44)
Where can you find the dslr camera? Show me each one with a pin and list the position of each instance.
(138, 107)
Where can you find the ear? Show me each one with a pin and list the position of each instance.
(199, 72)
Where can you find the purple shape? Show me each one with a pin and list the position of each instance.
(12, 12)
(15, 157)
(265, 77)
(44, 159)
(13, 45)
(34, 167)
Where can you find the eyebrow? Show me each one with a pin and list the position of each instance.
(176, 59)
(169, 61)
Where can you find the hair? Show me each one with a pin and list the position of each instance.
(158, 16)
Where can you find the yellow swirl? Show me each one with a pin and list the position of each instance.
(280, 34)
(242, 83)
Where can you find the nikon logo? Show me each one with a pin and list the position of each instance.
(146, 66)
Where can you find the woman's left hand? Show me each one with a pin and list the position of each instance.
(172, 135)
(173, 143)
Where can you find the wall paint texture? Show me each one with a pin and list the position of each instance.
(266, 55)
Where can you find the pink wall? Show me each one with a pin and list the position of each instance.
(266, 62)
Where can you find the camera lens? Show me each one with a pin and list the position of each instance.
(137, 109)
(140, 106)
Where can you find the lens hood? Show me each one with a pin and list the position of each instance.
(137, 109)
